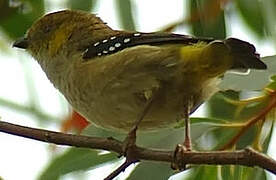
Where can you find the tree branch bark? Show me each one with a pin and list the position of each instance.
(246, 157)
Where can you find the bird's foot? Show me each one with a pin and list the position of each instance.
(178, 162)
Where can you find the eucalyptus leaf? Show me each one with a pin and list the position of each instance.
(125, 10)
(204, 173)
(207, 19)
(85, 5)
(151, 170)
(75, 159)
(16, 22)
(163, 139)
(252, 13)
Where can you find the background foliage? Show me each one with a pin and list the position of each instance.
(225, 116)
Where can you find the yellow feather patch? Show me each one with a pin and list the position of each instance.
(191, 52)
(59, 37)
(208, 60)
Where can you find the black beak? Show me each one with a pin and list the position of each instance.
(21, 43)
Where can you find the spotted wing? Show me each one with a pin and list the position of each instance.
(125, 40)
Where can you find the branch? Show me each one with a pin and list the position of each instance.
(246, 157)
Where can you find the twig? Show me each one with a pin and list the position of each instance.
(246, 157)
(120, 169)
(249, 123)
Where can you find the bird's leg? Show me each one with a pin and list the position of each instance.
(186, 146)
(187, 141)
(130, 140)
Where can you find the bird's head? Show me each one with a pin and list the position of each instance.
(62, 32)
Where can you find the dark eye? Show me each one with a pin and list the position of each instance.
(46, 29)
(70, 36)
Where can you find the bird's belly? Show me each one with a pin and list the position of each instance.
(116, 102)
(119, 111)
(121, 114)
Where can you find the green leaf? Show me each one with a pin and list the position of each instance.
(249, 173)
(207, 19)
(151, 170)
(228, 172)
(211, 121)
(251, 12)
(223, 136)
(266, 136)
(204, 173)
(242, 172)
(219, 108)
(124, 9)
(85, 5)
(273, 78)
(271, 85)
(75, 159)
(16, 22)
(163, 139)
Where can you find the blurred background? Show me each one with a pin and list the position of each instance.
(28, 98)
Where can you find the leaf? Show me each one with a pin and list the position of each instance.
(228, 172)
(75, 159)
(211, 121)
(266, 137)
(249, 173)
(252, 13)
(272, 84)
(207, 18)
(124, 9)
(242, 172)
(151, 170)
(215, 138)
(219, 108)
(85, 5)
(19, 19)
(260, 78)
(164, 138)
(204, 173)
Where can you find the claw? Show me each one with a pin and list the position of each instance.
(178, 163)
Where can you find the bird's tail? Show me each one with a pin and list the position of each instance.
(245, 55)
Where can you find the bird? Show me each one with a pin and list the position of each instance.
(126, 81)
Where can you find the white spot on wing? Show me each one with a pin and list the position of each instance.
(126, 40)
(111, 48)
(96, 44)
(117, 45)
(171, 64)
